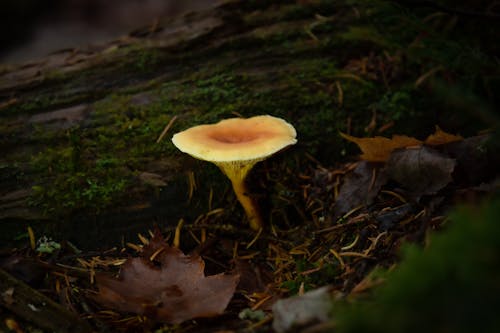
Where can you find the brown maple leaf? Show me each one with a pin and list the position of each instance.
(172, 289)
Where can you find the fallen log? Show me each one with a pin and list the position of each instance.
(31, 305)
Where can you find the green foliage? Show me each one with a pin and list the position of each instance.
(46, 245)
(321, 274)
(451, 286)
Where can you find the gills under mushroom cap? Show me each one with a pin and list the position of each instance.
(236, 139)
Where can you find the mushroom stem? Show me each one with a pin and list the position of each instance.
(248, 204)
(237, 172)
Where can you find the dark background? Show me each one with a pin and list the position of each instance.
(30, 29)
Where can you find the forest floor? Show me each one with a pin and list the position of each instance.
(106, 226)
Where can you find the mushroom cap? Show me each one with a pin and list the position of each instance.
(236, 139)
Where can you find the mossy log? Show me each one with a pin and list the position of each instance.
(37, 308)
(79, 128)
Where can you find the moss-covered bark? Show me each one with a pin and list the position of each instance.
(79, 130)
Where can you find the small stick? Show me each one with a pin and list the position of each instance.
(177, 237)
(165, 130)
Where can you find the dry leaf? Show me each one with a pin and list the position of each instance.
(172, 289)
(254, 278)
(299, 311)
(378, 149)
(440, 137)
(360, 186)
(421, 170)
(478, 159)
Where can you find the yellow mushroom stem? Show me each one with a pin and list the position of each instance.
(237, 172)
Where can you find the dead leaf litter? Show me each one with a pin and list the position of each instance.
(354, 218)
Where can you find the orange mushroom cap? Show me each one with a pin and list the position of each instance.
(236, 139)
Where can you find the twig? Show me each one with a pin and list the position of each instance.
(165, 130)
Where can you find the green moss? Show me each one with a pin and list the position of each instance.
(69, 180)
(12, 172)
(451, 286)
(366, 34)
(76, 191)
(40, 102)
(91, 167)
(145, 59)
(322, 274)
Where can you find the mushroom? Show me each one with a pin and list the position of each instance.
(235, 145)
